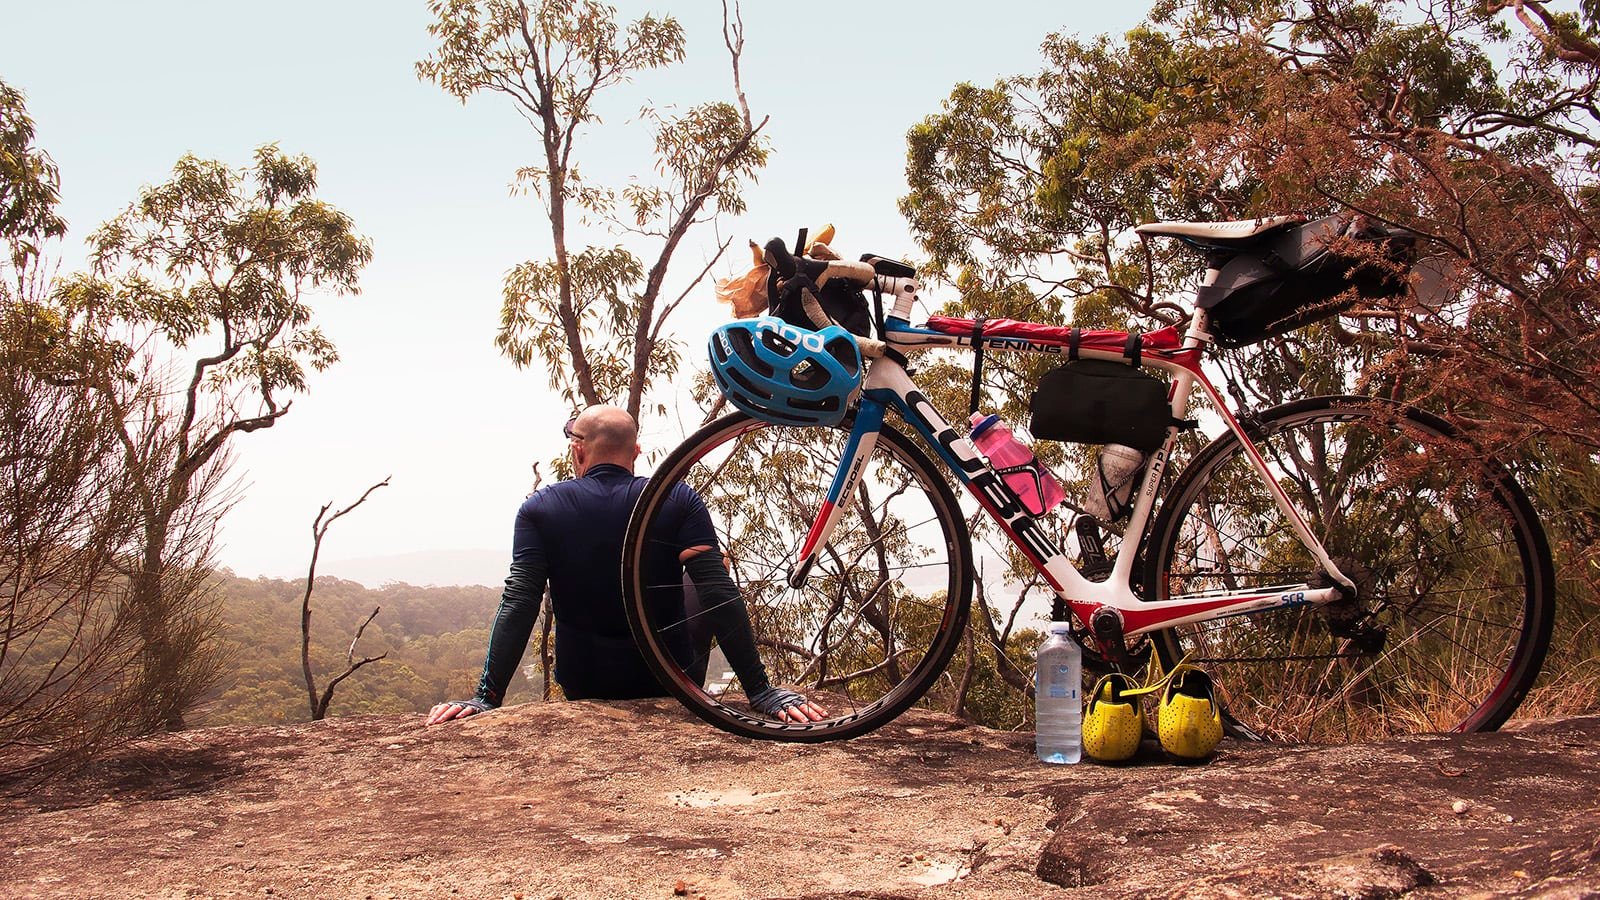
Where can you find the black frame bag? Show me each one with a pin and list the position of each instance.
(1095, 401)
(1303, 276)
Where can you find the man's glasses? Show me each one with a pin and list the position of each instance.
(567, 430)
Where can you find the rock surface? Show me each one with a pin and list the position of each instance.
(640, 800)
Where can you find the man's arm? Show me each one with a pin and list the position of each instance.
(513, 624)
(508, 638)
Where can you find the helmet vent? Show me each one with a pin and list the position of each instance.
(809, 376)
(777, 343)
(749, 386)
(846, 353)
(826, 404)
(744, 348)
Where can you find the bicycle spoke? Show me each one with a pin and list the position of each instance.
(1445, 628)
(869, 629)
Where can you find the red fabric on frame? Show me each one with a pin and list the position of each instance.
(1114, 341)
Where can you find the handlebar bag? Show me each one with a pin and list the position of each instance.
(842, 302)
(1309, 273)
(1097, 401)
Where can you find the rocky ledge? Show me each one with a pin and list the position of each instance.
(640, 800)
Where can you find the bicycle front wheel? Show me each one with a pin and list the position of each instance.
(1455, 586)
(878, 616)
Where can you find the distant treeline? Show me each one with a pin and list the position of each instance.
(435, 638)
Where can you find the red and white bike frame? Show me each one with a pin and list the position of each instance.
(888, 384)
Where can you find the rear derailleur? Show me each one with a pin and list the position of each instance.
(1349, 617)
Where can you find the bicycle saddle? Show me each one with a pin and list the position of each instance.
(1229, 235)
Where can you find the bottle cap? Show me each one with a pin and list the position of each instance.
(1060, 628)
(981, 425)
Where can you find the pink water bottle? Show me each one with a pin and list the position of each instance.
(1032, 483)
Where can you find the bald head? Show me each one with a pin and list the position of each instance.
(609, 435)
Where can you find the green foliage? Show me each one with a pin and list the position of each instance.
(227, 255)
(1433, 116)
(482, 44)
(218, 263)
(209, 276)
(435, 638)
(530, 320)
(111, 497)
(706, 149)
(29, 182)
(1032, 179)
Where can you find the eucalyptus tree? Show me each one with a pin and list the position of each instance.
(29, 181)
(1474, 124)
(69, 505)
(207, 278)
(66, 512)
(596, 316)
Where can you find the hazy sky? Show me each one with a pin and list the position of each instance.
(120, 90)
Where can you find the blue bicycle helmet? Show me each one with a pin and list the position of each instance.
(784, 374)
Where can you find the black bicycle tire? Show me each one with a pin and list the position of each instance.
(1538, 606)
(947, 636)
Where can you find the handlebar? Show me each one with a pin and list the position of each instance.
(886, 276)
(779, 257)
(862, 273)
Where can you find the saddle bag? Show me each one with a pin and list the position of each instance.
(1093, 401)
(1309, 273)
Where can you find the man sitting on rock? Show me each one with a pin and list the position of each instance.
(571, 534)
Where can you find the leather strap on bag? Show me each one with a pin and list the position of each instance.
(1133, 348)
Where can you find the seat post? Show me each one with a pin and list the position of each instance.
(1199, 333)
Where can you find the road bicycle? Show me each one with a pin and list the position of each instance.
(1345, 567)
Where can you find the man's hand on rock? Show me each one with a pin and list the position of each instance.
(457, 709)
(786, 706)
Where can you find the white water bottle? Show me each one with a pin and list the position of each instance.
(1111, 485)
(1057, 706)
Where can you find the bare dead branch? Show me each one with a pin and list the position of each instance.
(350, 654)
(319, 530)
(353, 666)
(733, 38)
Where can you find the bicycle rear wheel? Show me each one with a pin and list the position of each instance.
(1456, 589)
(879, 615)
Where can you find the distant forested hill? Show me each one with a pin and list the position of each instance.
(435, 638)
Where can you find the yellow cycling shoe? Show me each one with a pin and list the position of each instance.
(1113, 724)
(1189, 721)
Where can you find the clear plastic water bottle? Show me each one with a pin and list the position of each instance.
(1057, 706)
(1111, 492)
(1020, 470)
